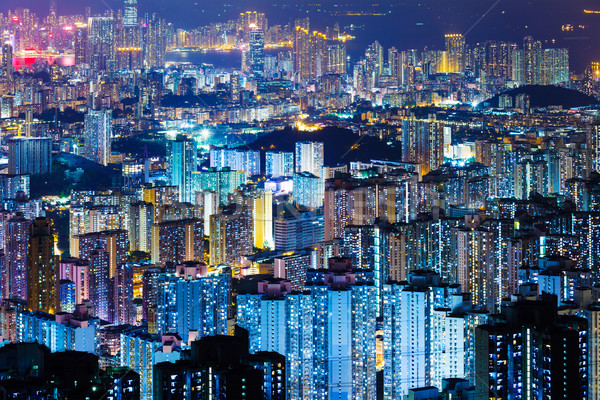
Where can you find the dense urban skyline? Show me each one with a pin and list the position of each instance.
(312, 201)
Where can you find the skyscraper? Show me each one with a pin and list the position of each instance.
(7, 66)
(424, 333)
(309, 157)
(455, 47)
(177, 241)
(189, 298)
(129, 54)
(154, 32)
(373, 65)
(182, 159)
(279, 163)
(98, 134)
(30, 155)
(256, 50)
(81, 44)
(17, 231)
(130, 13)
(339, 305)
(231, 235)
(42, 268)
(100, 42)
(530, 351)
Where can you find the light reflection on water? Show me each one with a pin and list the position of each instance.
(30, 62)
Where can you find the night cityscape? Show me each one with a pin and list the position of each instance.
(312, 200)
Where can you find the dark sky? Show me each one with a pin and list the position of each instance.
(408, 24)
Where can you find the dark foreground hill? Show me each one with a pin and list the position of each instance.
(341, 145)
(544, 96)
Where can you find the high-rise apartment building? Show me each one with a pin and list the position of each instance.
(530, 351)
(30, 155)
(98, 136)
(17, 231)
(114, 242)
(308, 190)
(455, 47)
(100, 284)
(310, 157)
(77, 271)
(336, 59)
(279, 163)
(222, 182)
(262, 219)
(339, 306)
(423, 143)
(177, 241)
(189, 298)
(141, 218)
(77, 331)
(182, 159)
(531, 60)
(424, 338)
(295, 230)
(247, 161)
(42, 268)
(310, 52)
(231, 235)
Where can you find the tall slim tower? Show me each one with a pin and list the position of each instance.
(257, 50)
(130, 14)
(531, 60)
(7, 67)
(182, 157)
(17, 237)
(98, 129)
(42, 268)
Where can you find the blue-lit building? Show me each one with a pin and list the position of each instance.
(183, 160)
(191, 299)
(247, 161)
(140, 351)
(530, 351)
(257, 51)
(61, 331)
(67, 295)
(222, 181)
(308, 190)
(425, 333)
(367, 247)
(279, 163)
(327, 333)
(295, 230)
